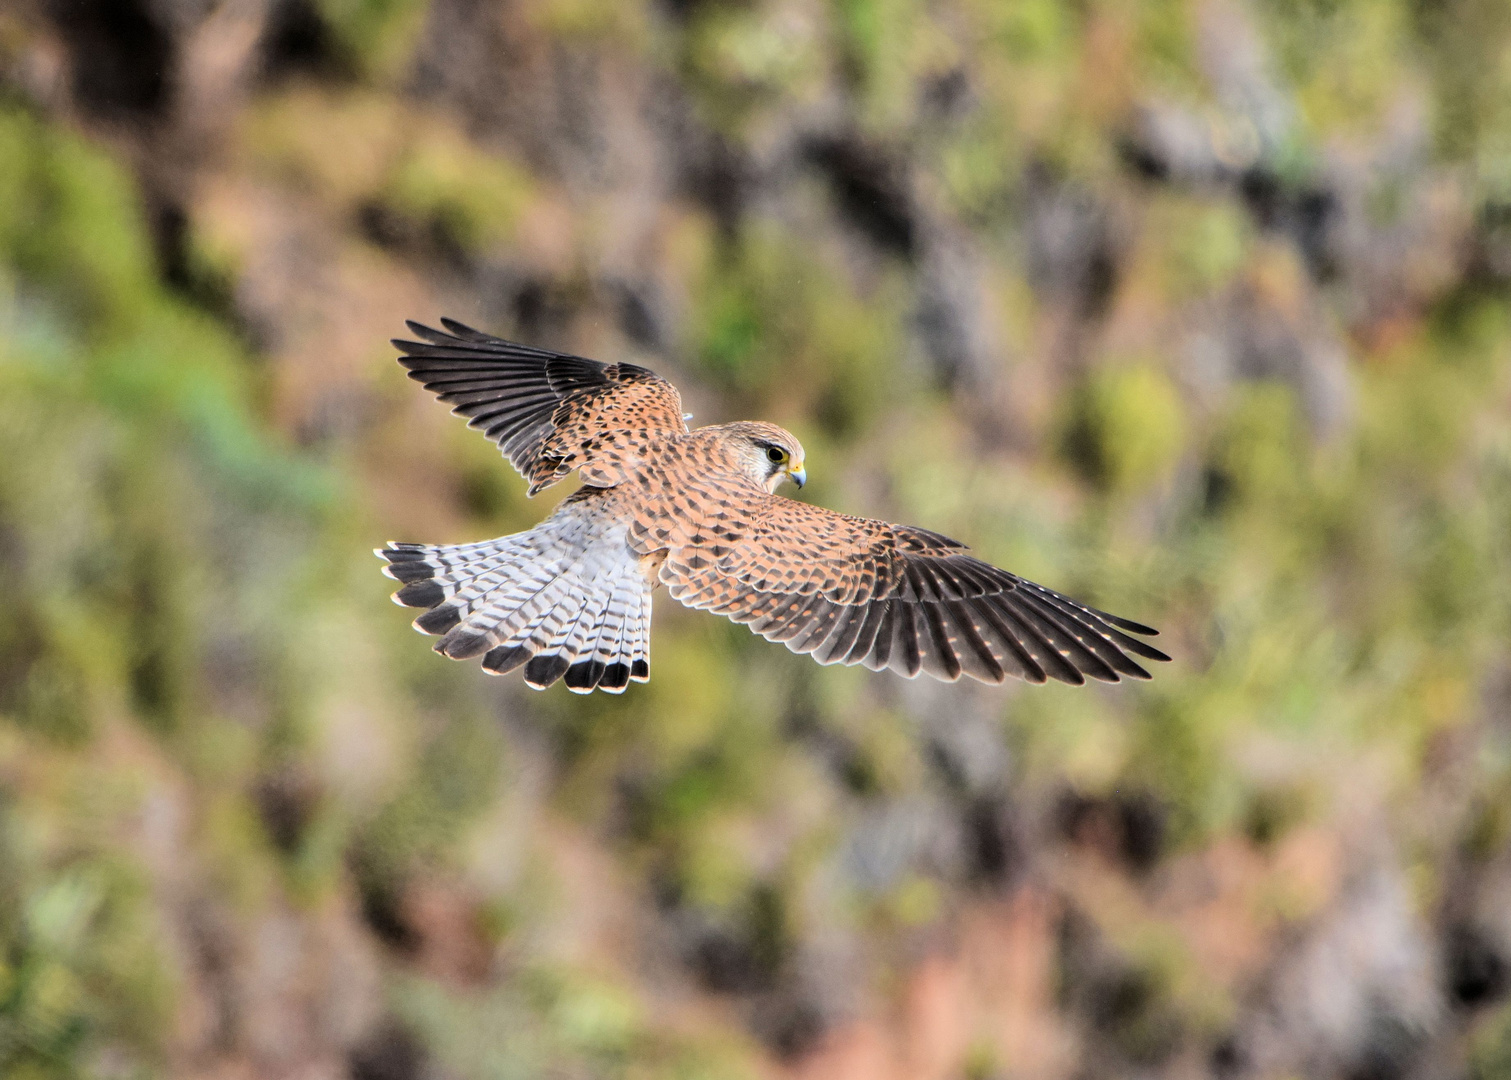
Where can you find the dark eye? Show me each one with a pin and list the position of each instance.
(776, 455)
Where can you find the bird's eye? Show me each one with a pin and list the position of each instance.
(776, 455)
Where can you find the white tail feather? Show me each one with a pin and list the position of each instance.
(566, 599)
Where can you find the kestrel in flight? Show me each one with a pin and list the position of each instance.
(697, 511)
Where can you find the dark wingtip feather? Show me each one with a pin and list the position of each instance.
(462, 330)
(1140, 649)
(462, 644)
(1129, 625)
(1120, 622)
(431, 353)
(615, 677)
(409, 572)
(438, 621)
(397, 552)
(640, 671)
(584, 675)
(542, 671)
(426, 593)
(504, 659)
(401, 552)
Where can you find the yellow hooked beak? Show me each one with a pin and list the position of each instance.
(797, 474)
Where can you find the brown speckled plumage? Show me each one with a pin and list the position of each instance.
(696, 511)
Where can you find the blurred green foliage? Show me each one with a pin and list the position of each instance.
(376, 37)
(191, 618)
(1126, 428)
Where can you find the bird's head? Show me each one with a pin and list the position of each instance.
(768, 453)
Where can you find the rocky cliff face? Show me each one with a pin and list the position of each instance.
(1195, 309)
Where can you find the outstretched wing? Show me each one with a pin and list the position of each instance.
(549, 412)
(853, 590)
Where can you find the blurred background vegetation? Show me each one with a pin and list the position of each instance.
(1197, 309)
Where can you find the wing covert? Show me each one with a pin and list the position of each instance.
(548, 412)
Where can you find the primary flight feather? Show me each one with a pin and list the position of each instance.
(696, 511)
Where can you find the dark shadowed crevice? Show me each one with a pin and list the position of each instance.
(639, 314)
(1228, 1057)
(1308, 212)
(996, 848)
(391, 1051)
(1389, 1050)
(298, 41)
(1074, 254)
(716, 175)
(791, 1025)
(212, 291)
(286, 800)
(871, 191)
(543, 309)
(122, 57)
(1476, 970)
(1130, 826)
(380, 894)
(744, 952)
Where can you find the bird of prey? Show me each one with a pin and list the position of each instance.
(697, 511)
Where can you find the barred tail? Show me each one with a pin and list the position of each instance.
(579, 612)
